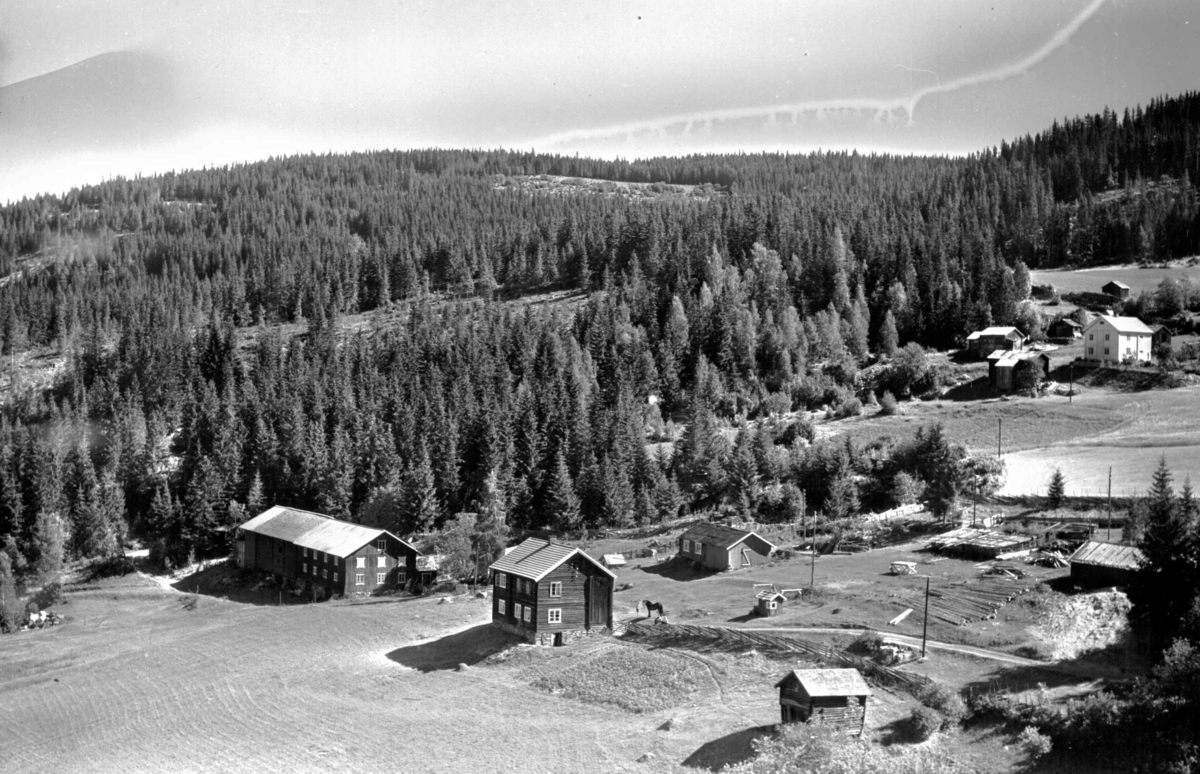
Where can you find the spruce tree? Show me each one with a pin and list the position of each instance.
(562, 504)
(1056, 489)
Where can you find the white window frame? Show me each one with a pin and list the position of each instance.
(687, 546)
(500, 607)
(380, 578)
(361, 564)
(525, 614)
(517, 607)
(305, 566)
(401, 576)
(381, 561)
(324, 573)
(360, 579)
(381, 544)
(556, 588)
(554, 615)
(335, 578)
(501, 580)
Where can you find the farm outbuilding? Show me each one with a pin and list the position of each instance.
(832, 697)
(1005, 368)
(323, 554)
(1160, 337)
(549, 593)
(1115, 289)
(1096, 563)
(1065, 328)
(769, 602)
(997, 337)
(719, 547)
(976, 543)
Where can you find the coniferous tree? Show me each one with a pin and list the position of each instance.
(1056, 489)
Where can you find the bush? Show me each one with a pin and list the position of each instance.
(945, 701)
(866, 644)
(110, 566)
(923, 723)
(850, 407)
(1034, 742)
(887, 404)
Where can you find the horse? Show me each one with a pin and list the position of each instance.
(653, 606)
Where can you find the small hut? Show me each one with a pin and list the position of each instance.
(904, 568)
(1116, 289)
(1105, 564)
(834, 697)
(769, 602)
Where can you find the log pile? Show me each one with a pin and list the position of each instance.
(970, 603)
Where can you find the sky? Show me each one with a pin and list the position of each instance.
(91, 89)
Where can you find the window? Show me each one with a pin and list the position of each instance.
(687, 546)
(324, 573)
(554, 615)
(400, 576)
(381, 561)
(380, 577)
(501, 580)
(1106, 337)
(358, 579)
(556, 589)
(335, 576)
(1106, 350)
(1091, 351)
(526, 614)
(517, 607)
(305, 566)
(500, 606)
(361, 563)
(381, 544)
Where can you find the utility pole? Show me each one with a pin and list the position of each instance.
(925, 626)
(999, 427)
(975, 505)
(1108, 520)
(1071, 392)
(812, 567)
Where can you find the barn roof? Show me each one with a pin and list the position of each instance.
(535, 558)
(828, 682)
(1123, 324)
(1068, 321)
(1116, 283)
(720, 535)
(769, 594)
(314, 530)
(1101, 554)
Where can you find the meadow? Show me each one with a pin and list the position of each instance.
(1090, 280)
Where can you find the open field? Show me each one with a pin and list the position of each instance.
(1090, 280)
(146, 678)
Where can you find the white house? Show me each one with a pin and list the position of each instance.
(1112, 340)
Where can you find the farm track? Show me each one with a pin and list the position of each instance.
(903, 639)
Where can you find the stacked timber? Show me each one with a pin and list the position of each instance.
(969, 603)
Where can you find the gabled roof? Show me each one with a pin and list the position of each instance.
(720, 536)
(314, 530)
(1102, 554)
(1118, 283)
(768, 594)
(535, 558)
(995, 330)
(1130, 325)
(1068, 321)
(828, 682)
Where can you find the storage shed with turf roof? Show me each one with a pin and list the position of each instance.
(719, 547)
(831, 697)
(324, 555)
(549, 593)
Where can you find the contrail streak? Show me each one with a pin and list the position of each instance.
(878, 106)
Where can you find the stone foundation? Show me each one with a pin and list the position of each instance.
(547, 638)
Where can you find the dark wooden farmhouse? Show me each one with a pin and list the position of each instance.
(984, 342)
(1115, 289)
(550, 594)
(719, 547)
(1104, 564)
(324, 555)
(833, 697)
(1160, 337)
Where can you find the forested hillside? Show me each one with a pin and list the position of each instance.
(765, 288)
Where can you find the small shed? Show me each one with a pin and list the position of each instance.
(1160, 337)
(769, 602)
(834, 697)
(613, 560)
(720, 547)
(1065, 328)
(1004, 367)
(904, 568)
(1096, 563)
(1115, 289)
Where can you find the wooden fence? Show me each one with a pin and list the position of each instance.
(737, 639)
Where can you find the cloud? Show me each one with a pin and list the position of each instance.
(885, 110)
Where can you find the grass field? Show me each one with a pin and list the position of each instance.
(1090, 280)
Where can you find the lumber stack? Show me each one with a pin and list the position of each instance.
(971, 602)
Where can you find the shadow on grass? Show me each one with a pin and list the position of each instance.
(675, 569)
(228, 581)
(734, 748)
(744, 618)
(1111, 667)
(466, 647)
(976, 389)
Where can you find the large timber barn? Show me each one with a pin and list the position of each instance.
(549, 593)
(323, 554)
(832, 697)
